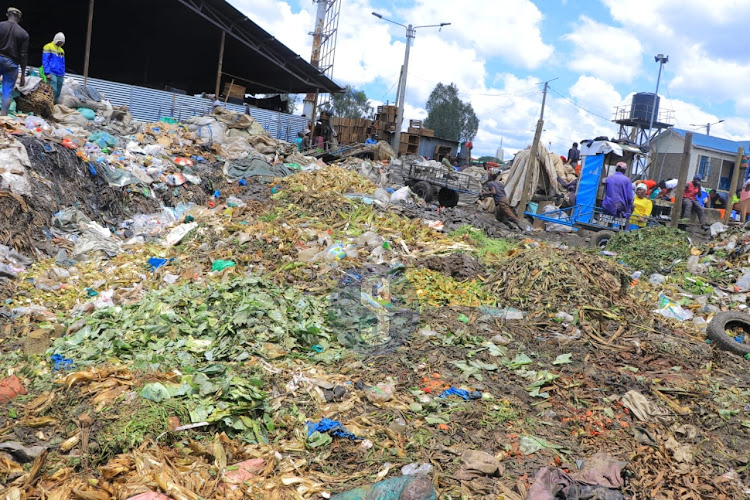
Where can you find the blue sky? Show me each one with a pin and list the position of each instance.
(499, 52)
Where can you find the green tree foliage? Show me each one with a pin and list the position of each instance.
(351, 104)
(450, 117)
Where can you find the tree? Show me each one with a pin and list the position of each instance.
(351, 103)
(450, 117)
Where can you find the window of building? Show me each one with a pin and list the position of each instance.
(704, 167)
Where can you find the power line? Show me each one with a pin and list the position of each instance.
(579, 106)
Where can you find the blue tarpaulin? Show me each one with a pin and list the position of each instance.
(588, 185)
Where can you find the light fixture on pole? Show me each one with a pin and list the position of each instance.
(411, 32)
(662, 60)
(707, 126)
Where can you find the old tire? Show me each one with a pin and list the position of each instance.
(423, 190)
(716, 331)
(448, 198)
(601, 238)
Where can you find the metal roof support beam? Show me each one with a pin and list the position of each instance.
(210, 14)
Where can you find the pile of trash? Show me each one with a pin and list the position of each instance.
(556, 279)
(286, 329)
(651, 249)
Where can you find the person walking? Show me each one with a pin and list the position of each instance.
(14, 50)
(53, 62)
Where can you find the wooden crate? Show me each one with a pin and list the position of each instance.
(234, 90)
(428, 132)
(415, 123)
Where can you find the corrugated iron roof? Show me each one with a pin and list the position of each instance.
(714, 143)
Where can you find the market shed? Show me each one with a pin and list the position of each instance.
(189, 46)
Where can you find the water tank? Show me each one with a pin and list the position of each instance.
(642, 106)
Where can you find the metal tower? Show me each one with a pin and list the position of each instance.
(323, 51)
(639, 123)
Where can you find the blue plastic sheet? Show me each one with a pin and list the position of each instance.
(588, 185)
(155, 263)
(332, 427)
(462, 393)
(61, 363)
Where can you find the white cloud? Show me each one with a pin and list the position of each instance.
(510, 29)
(277, 18)
(700, 74)
(708, 60)
(605, 51)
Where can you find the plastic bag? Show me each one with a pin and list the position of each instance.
(177, 234)
(553, 227)
(401, 195)
(417, 487)
(87, 113)
(669, 309)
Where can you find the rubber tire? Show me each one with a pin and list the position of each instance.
(716, 331)
(448, 197)
(600, 238)
(423, 190)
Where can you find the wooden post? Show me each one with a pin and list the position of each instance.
(87, 55)
(221, 63)
(733, 184)
(530, 169)
(681, 180)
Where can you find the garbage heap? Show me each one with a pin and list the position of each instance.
(304, 339)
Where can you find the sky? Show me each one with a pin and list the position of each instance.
(594, 53)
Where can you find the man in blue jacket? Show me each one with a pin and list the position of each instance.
(53, 61)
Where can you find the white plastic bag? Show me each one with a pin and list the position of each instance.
(177, 234)
(401, 195)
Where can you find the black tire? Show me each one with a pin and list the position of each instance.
(423, 190)
(448, 197)
(716, 331)
(601, 238)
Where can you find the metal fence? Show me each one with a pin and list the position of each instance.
(150, 105)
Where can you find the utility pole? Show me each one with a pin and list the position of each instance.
(410, 34)
(544, 99)
(531, 166)
(662, 60)
(681, 181)
(733, 185)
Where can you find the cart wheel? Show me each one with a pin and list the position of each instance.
(600, 239)
(423, 190)
(448, 197)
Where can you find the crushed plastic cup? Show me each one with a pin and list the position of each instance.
(415, 469)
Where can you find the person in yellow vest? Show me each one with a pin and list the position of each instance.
(53, 61)
(642, 206)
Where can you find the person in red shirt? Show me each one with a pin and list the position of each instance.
(690, 200)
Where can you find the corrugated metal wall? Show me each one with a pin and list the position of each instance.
(150, 105)
(427, 146)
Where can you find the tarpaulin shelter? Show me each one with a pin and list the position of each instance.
(187, 45)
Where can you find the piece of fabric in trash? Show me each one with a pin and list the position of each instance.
(254, 166)
(332, 427)
(600, 479)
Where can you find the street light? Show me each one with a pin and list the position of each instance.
(662, 60)
(707, 126)
(411, 32)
